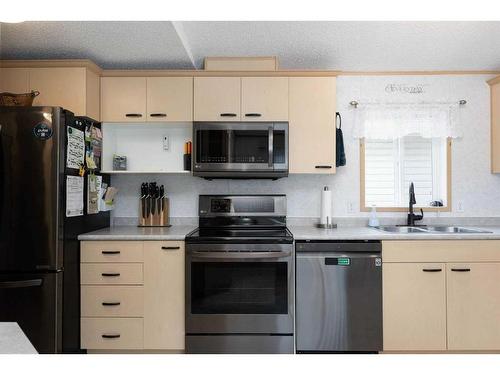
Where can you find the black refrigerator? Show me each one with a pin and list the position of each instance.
(39, 250)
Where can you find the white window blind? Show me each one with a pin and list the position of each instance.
(391, 165)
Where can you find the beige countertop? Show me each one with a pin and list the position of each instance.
(135, 233)
(367, 233)
(13, 340)
(309, 232)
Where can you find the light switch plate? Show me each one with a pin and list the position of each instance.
(165, 142)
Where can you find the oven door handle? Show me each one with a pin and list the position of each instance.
(240, 255)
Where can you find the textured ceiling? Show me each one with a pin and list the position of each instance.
(315, 45)
(108, 44)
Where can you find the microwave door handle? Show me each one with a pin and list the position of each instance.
(271, 145)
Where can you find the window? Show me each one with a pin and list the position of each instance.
(391, 165)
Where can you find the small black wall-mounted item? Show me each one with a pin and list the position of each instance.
(340, 159)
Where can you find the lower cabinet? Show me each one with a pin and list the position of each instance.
(414, 306)
(452, 304)
(132, 295)
(473, 306)
(164, 295)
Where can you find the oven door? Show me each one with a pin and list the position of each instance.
(242, 147)
(239, 289)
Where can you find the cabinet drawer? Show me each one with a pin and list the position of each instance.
(111, 273)
(441, 251)
(111, 251)
(112, 301)
(111, 333)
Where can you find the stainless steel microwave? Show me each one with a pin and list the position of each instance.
(240, 149)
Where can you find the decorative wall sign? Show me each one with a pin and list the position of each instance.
(393, 88)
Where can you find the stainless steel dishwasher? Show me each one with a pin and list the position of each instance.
(338, 296)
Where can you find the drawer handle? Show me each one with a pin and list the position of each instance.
(107, 274)
(460, 269)
(253, 114)
(158, 115)
(133, 115)
(111, 303)
(106, 336)
(228, 115)
(170, 247)
(432, 270)
(110, 252)
(323, 167)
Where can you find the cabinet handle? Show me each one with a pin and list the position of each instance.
(432, 270)
(170, 247)
(111, 303)
(323, 167)
(253, 114)
(110, 252)
(228, 115)
(133, 115)
(460, 269)
(106, 274)
(158, 115)
(106, 336)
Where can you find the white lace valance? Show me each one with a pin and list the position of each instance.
(392, 121)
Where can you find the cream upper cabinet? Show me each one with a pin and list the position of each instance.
(123, 99)
(414, 306)
(169, 99)
(217, 98)
(495, 126)
(164, 295)
(473, 306)
(264, 99)
(312, 124)
(14, 80)
(76, 89)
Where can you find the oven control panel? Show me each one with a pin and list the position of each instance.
(220, 205)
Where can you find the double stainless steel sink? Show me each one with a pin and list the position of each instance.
(429, 229)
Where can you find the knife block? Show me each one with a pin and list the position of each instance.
(154, 212)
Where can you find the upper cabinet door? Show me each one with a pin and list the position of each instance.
(473, 306)
(169, 99)
(312, 124)
(123, 99)
(62, 87)
(217, 98)
(14, 80)
(264, 99)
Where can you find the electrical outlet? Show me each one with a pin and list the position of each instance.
(165, 143)
(460, 206)
(350, 207)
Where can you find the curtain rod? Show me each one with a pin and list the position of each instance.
(355, 103)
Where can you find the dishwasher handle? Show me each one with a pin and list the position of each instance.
(340, 255)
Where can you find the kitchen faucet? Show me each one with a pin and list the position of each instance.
(411, 215)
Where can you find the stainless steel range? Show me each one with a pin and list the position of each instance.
(239, 276)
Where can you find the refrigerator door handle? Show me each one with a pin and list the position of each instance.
(20, 283)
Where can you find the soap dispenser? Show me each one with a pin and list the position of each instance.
(373, 221)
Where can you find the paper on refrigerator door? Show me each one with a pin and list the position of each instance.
(92, 195)
(74, 196)
(75, 152)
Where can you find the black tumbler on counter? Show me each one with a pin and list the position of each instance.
(187, 156)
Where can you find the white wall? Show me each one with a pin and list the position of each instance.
(472, 183)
